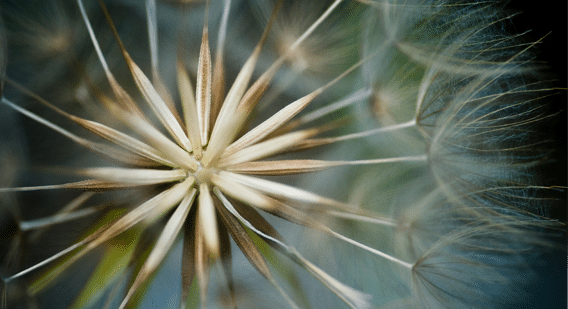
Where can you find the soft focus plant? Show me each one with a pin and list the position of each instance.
(355, 153)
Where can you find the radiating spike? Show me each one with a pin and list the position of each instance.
(188, 264)
(108, 133)
(281, 190)
(170, 150)
(106, 150)
(157, 205)
(226, 261)
(255, 257)
(244, 242)
(132, 176)
(203, 87)
(189, 107)
(221, 136)
(279, 118)
(163, 244)
(160, 108)
(254, 198)
(122, 96)
(269, 125)
(281, 167)
(267, 148)
(218, 80)
(352, 297)
(208, 220)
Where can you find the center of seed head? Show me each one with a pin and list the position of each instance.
(203, 174)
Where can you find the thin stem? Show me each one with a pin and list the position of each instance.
(420, 158)
(223, 27)
(289, 249)
(281, 117)
(102, 60)
(363, 218)
(391, 128)
(45, 122)
(153, 37)
(55, 219)
(369, 249)
(355, 97)
(46, 261)
(351, 297)
(312, 27)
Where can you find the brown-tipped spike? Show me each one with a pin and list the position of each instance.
(243, 240)
(203, 88)
(217, 86)
(149, 92)
(281, 167)
(188, 264)
(226, 262)
(225, 121)
(189, 107)
(163, 245)
(272, 123)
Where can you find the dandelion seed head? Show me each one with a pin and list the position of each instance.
(50, 36)
(431, 185)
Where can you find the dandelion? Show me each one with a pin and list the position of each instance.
(209, 165)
